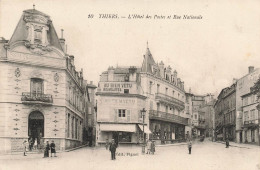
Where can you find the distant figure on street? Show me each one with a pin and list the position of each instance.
(35, 144)
(152, 147)
(112, 149)
(107, 144)
(189, 146)
(227, 142)
(53, 150)
(24, 147)
(149, 146)
(46, 151)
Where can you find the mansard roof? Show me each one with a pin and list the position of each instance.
(31, 15)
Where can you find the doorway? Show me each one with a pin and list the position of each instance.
(36, 126)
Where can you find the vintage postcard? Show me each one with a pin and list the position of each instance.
(142, 84)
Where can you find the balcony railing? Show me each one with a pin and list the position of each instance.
(251, 122)
(169, 99)
(154, 114)
(28, 97)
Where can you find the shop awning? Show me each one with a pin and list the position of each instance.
(118, 127)
(146, 129)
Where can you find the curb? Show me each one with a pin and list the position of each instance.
(170, 145)
(29, 153)
(235, 145)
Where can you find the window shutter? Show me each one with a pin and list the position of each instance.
(128, 116)
(116, 115)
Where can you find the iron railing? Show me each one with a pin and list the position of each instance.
(154, 114)
(46, 98)
(172, 100)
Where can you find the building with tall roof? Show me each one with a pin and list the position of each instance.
(124, 92)
(42, 94)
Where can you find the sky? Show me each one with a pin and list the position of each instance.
(207, 53)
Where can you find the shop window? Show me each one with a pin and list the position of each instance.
(124, 137)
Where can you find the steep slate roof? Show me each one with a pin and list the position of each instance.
(21, 33)
(148, 62)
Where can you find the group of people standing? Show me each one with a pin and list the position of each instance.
(150, 147)
(47, 147)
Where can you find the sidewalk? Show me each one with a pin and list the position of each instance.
(240, 145)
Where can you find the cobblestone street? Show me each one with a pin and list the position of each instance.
(206, 156)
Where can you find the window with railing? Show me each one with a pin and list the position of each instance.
(36, 86)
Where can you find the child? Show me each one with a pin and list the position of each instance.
(24, 148)
(189, 146)
(53, 148)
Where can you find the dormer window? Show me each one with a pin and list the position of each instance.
(37, 36)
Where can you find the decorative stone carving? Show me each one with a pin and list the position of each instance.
(17, 72)
(56, 77)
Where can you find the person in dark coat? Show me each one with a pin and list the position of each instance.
(53, 150)
(152, 147)
(46, 151)
(227, 142)
(112, 149)
(189, 146)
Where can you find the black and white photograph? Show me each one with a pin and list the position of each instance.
(140, 85)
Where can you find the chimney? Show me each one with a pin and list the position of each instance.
(62, 41)
(72, 60)
(250, 69)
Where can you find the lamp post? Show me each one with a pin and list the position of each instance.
(143, 115)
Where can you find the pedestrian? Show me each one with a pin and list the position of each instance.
(149, 146)
(53, 151)
(46, 151)
(107, 144)
(112, 149)
(189, 146)
(30, 144)
(152, 147)
(24, 147)
(227, 142)
(35, 144)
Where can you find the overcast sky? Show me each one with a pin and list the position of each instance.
(207, 53)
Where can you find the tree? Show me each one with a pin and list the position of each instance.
(256, 90)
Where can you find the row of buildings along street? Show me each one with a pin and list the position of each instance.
(45, 98)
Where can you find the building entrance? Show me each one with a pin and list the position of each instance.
(36, 126)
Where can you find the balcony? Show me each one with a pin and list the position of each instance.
(35, 98)
(158, 115)
(163, 98)
(251, 123)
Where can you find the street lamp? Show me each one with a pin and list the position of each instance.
(143, 115)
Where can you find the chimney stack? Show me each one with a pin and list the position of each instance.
(250, 69)
(62, 41)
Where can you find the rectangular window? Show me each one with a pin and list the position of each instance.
(246, 101)
(121, 112)
(246, 116)
(166, 90)
(252, 114)
(158, 88)
(36, 86)
(150, 87)
(253, 99)
(126, 91)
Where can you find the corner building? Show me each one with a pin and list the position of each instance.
(124, 92)
(42, 96)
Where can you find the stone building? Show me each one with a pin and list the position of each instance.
(243, 114)
(225, 109)
(119, 104)
(42, 95)
(124, 92)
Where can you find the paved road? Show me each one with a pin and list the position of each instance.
(205, 156)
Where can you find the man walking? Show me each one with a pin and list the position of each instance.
(227, 142)
(189, 146)
(112, 149)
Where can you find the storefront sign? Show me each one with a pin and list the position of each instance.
(116, 87)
